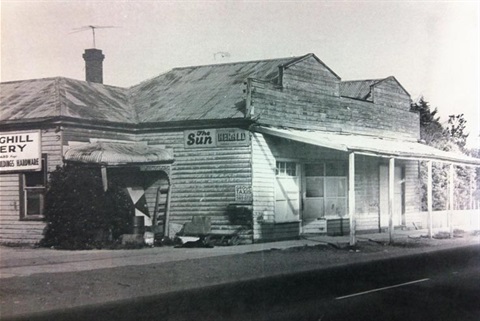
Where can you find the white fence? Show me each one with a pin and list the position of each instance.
(468, 220)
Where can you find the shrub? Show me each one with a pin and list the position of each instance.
(79, 214)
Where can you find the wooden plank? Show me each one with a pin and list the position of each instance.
(273, 232)
(81, 134)
(311, 110)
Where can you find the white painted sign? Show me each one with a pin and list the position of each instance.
(20, 151)
(232, 137)
(224, 137)
(243, 194)
(202, 138)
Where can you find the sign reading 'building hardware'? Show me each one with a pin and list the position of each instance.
(205, 138)
(20, 151)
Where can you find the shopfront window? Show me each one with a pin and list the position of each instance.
(34, 189)
(325, 189)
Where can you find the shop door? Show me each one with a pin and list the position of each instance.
(398, 196)
(287, 192)
(314, 207)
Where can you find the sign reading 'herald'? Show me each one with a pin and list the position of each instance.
(20, 151)
(207, 138)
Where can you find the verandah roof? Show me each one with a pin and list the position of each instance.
(369, 145)
(113, 153)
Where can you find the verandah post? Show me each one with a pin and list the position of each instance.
(429, 198)
(391, 178)
(103, 171)
(450, 200)
(351, 198)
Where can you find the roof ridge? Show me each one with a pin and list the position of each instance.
(29, 80)
(58, 77)
(239, 62)
(213, 65)
(365, 80)
(60, 95)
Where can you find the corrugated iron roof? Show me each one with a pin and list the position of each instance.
(50, 97)
(95, 101)
(358, 89)
(362, 89)
(29, 99)
(369, 145)
(201, 92)
(112, 153)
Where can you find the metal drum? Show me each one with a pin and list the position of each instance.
(138, 225)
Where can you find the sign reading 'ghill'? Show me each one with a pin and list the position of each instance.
(20, 151)
(206, 138)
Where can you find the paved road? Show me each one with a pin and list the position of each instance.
(450, 295)
(443, 285)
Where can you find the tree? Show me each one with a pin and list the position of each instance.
(452, 138)
(475, 152)
(431, 130)
(433, 133)
(79, 214)
(456, 130)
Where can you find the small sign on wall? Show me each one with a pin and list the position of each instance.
(208, 138)
(232, 137)
(243, 194)
(20, 151)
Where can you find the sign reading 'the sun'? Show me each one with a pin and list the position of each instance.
(20, 151)
(220, 137)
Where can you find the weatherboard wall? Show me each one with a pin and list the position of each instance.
(203, 180)
(303, 107)
(13, 227)
(74, 134)
(311, 76)
(389, 93)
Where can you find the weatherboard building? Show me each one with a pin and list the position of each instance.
(273, 148)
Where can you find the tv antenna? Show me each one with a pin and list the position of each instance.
(221, 54)
(93, 30)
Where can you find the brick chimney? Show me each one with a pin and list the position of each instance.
(93, 65)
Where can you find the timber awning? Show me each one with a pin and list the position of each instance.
(114, 153)
(369, 145)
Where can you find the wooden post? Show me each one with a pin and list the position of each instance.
(103, 170)
(472, 181)
(429, 199)
(451, 188)
(351, 198)
(167, 210)
(155, 209)
(391, 178)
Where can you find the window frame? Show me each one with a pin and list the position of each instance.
(284, 174)
(326, 177)
(41, 190)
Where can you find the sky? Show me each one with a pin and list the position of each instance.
(431, 47)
